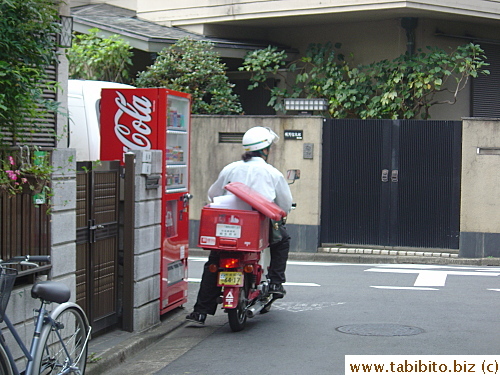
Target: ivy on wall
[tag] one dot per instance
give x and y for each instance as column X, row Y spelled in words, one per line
column 403, row 88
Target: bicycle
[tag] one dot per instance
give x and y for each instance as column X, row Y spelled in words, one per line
column 60, row 339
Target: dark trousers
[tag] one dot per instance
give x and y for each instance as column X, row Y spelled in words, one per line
column 208, row 293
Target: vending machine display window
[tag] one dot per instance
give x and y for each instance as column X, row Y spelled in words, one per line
column 177, row 155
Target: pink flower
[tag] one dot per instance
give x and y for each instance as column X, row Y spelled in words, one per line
column 13, row 174
column 11, row 160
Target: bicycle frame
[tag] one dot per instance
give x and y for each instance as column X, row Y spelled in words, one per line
column 42, row 319
column 29, row 354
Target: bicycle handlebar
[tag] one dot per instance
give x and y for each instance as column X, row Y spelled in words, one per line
column 28, row 258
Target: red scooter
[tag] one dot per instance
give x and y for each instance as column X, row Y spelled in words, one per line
column 242, row 237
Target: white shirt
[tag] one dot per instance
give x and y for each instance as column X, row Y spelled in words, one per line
column 258, row 175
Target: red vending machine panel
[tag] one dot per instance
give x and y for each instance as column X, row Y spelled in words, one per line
column 157, row 119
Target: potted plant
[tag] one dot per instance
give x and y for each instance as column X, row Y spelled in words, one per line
column 25, row 171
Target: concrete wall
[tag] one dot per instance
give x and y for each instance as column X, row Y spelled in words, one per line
column 208, row 157
column 480, row 202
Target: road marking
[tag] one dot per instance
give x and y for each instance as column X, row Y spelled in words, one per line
column 431, row 266
column 319, row 264
column 288, row 283
column 301, row 307
column 401, row 287
column 290, row 262
column 432, row 277
column 495, row 290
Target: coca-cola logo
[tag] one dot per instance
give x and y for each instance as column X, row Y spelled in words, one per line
column 133, row 136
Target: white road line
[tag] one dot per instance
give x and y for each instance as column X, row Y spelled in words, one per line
column 319, row 264
column 288, row 283
column 431, row 277
column 290, row 262
column 495, row 290
column 401, row 287
column 300, row 284
column 436, row 267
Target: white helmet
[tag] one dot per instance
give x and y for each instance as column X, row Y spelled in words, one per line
column 258, row 138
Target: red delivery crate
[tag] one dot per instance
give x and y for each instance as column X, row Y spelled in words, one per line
column 227, row 229
column 256, row 200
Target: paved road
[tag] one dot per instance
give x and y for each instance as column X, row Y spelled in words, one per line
column 333, row 310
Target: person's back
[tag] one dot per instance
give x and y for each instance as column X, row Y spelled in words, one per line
column 260, row 176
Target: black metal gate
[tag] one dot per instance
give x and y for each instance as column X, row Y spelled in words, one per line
column 391, row 183
column 97, row 242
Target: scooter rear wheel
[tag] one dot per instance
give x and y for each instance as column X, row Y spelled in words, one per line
column 237, row 317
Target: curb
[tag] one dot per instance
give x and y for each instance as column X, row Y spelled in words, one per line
column 393, row 259
column 138, row 341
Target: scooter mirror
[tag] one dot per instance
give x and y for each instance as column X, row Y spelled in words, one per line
column 292, row 175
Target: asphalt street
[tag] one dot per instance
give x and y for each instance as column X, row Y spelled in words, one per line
column 333, row 310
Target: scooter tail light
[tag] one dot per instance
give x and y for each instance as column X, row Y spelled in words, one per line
column 229, row 262
column 248, row 268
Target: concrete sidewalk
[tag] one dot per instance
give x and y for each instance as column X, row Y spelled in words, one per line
column 112, row 348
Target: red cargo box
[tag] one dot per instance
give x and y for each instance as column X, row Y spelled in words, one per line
column 256, row 200
column 226, row 229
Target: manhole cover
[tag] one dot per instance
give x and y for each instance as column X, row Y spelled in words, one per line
column 380, row 330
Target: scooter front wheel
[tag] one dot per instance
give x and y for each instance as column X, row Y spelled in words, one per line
column 237, row 317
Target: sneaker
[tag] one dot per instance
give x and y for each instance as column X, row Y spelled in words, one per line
column 277, row 290
column 196, row 317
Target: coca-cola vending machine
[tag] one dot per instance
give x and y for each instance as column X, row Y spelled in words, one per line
column 157, row 119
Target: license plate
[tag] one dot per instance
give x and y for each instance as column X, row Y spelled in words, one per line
column 230, row 279
column 226, row 230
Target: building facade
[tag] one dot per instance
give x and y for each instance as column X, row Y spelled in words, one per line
column 369, row 31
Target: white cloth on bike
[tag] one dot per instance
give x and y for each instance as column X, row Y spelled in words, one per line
column 260, row 176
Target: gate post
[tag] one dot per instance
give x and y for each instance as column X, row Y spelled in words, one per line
column 63, row 217
column 141, row 244
column 480, row 193
column 128, row 243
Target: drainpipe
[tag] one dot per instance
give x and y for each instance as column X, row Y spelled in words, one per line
column 410, row 24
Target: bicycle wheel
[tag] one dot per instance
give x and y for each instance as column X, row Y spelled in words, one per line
column 67, row 355
column 5, row 368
